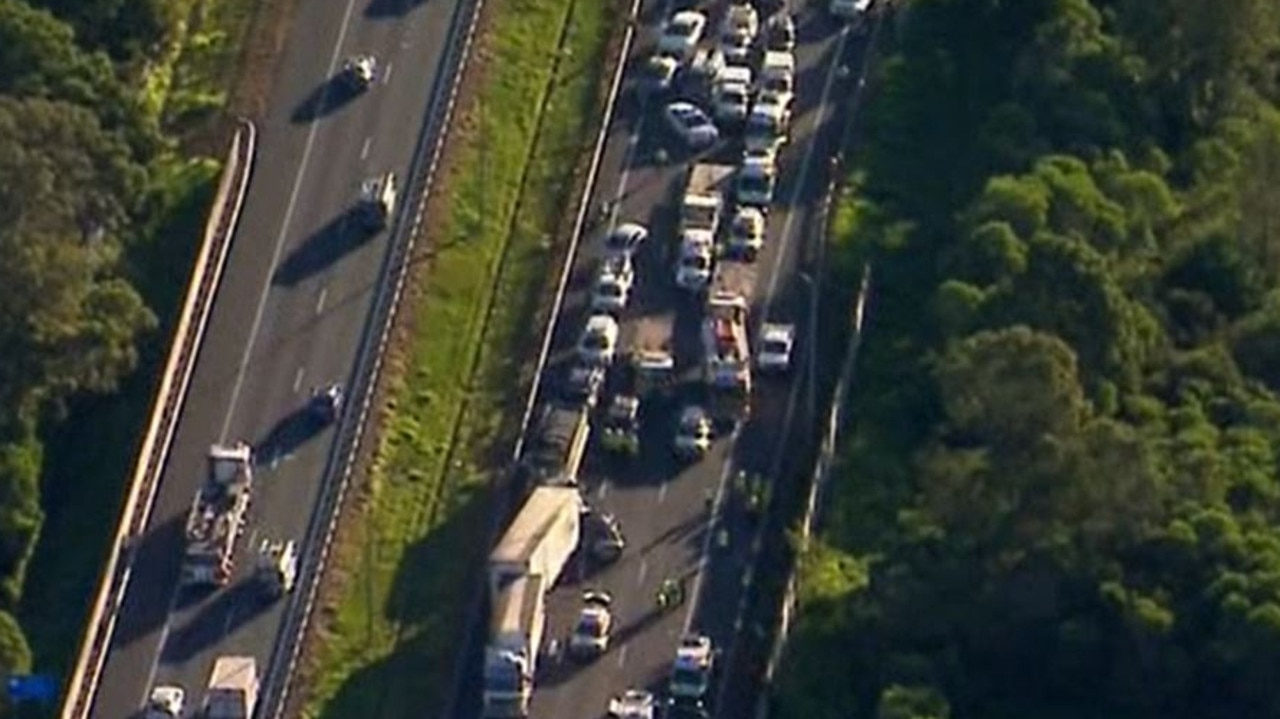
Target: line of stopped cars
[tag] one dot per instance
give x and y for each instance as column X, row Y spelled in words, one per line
column 220, row 510
column 625, row 367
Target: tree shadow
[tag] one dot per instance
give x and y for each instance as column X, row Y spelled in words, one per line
column 383, row 9
column 229, row 609
column 430, row 601
column 325, row 99
column 323, row 248
column 156, row 565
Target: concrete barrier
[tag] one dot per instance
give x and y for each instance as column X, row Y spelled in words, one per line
column 170, row 397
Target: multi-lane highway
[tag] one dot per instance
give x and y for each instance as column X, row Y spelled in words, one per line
column 292, row 312
column 661, row 503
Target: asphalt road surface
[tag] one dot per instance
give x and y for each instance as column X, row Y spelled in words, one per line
column 290, row 314
column 662, row 504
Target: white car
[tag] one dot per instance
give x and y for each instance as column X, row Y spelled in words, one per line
column 634, row 704
column 692, row 125
column 682, row 33
column 657, row 75
column 599, row 341
column 756, row 181
column 746, row 232
column 778, row 71
column 738, row 32
column 697, row 255
column 731, row 95
column 732, row 102
column 776, row 343
column 625, row 239
column 613, row 285
column 590, row 636
column 166, row 702
column 736, row 49
column 360, row 71
column 693, row 433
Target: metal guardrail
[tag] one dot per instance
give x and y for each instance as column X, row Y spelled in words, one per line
column 170, row 397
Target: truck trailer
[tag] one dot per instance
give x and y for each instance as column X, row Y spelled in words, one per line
column 523, row 567
column 217, row 516
column 233, row 688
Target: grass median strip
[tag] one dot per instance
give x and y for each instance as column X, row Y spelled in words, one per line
column 393, row 608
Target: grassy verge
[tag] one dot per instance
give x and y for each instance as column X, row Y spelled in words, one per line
column 396, row 601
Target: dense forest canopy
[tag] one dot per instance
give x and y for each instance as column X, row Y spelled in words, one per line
column 1060, row 491
column 78, row 197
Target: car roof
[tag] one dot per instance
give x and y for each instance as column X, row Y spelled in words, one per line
column 773, row 330
column 688, row 16
column 601, row 321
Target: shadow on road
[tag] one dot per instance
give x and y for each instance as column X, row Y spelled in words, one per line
column 294, row 430
column 224, row 613
column 327, row 98
column 326, row 246
column 156, row 561
column 386, row 9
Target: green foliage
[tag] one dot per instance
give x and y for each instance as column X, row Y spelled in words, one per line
column 15, row 655
column 84, row 193
column 1060, row 497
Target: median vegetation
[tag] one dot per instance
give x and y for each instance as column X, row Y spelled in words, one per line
column 105, row 109
column 1059, row 496
column 390, row 622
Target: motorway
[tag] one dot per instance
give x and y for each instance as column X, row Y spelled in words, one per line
column 662, row 505
column 292, row 312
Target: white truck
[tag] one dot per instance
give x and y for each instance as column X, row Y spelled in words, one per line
column 217, row 516
column 727, row 359
column 704, row 194
column 522, row 569
column 233, row 688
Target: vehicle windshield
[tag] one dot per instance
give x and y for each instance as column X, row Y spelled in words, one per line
column 683, row 28
column 734, row 96
column 595, row 341
column 590, row 626
column 696, row 262
column 609, row 288
column 776, row 347
column 689, row 680
column 754, row 183
column 502, row 678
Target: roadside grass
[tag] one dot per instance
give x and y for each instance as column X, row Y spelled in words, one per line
column 392, row 613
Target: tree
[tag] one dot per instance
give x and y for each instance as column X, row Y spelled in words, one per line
column 68, row 320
